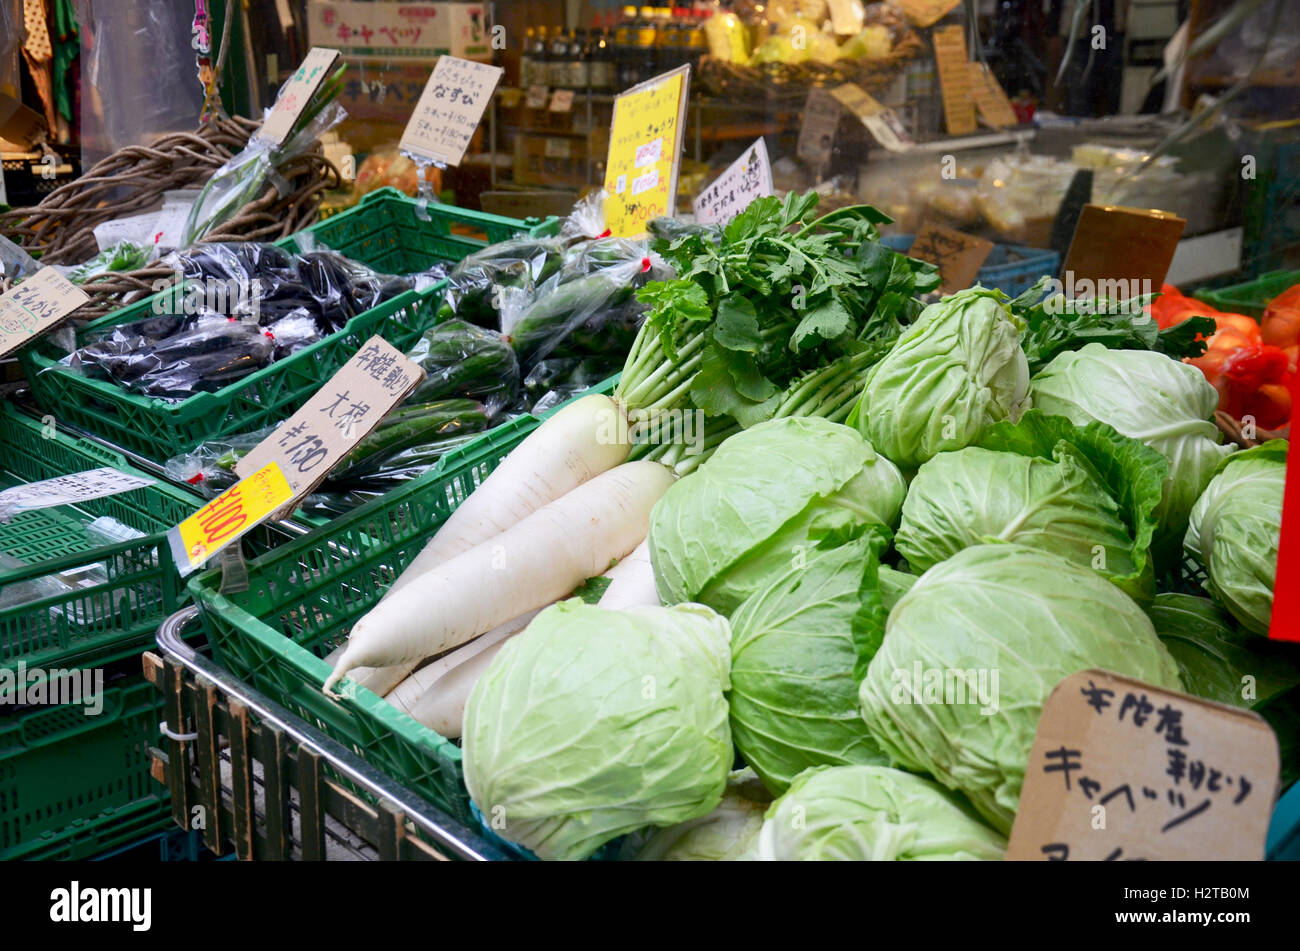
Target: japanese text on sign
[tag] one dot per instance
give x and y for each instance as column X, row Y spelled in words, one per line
column 747, row 178
column 1122, row 771
column 958, row 256
column 35, row 306
column 63, row 490
column 883, row 124
column 645, row 152
column 341, row 413
column 297, row 93
column 450, row 109
column 228, row 517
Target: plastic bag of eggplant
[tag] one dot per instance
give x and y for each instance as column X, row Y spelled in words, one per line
column 239, row 308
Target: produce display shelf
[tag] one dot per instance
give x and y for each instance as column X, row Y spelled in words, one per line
column 1011, row 268
column 73, row 785
column 1251, row 297
column 387, row 231
column 304, row 597
column 48, row 617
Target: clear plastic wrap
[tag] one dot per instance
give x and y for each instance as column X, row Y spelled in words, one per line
column 587, row 219
column 462, row 359
column 15, row 262
column 210, row 466
column 120, row 256
column 245, row 175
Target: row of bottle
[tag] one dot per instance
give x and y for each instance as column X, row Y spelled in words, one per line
column 644, row 43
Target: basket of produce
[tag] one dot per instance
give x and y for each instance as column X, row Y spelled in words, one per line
column 523, row 325
column 799, row 55
column 164, row 374
column 770, row 576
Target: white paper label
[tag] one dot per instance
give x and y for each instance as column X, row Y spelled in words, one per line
column 65, row 490
column 645, row 182
column 649, row 153
column 747, row 178
column 536, row 97
column 562, row 100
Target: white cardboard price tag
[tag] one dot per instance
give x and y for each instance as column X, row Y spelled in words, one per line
column 745, row 179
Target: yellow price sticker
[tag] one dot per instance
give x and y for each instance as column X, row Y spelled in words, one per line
column 645, row 153
column 229, row 516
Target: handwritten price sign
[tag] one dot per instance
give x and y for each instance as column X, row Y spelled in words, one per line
column 645, row 153
column 297, row 93
column 35, row 306
column 228, row 517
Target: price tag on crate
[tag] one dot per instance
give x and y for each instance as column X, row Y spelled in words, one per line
column 645, row 152
column 228, row 517
column 297, row 93
column 958, row 256
column 817, row 130
column 562, row 100
column 35, row 306
column 450, row 109
column 1121, row 770
column 883, row 124
column 65, row 490
column 536, row 97
column 343, row 412
column 745, row 179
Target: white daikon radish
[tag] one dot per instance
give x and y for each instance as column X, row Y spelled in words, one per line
column 442, row 707
column 536, row 561
column 409, row 690
column 582, row 440
column 381, row 680
column 632, row 581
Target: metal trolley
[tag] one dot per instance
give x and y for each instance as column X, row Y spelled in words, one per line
column 252, row 777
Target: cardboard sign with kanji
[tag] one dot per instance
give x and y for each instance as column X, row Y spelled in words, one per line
column 343, row 412
column 536, row 98
column 35, row 306
column 925, row 13
column 990, row 98
column 745, row 179
column 1121, row 770
column 562, row 100
column 645, row 150
column 817, row 130
column 450, row 109
column 954, row 79
column 297, row 93
column 957, row 255
column 883, row 124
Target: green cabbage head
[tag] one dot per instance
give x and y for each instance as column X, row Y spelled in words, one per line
column 794, row 696
column 765, row 497
column 872, row 813
column 1167, row 404
column 971, row 653
column 593, row 723
column 727, row 834
column 954, row 372
column 1235, row 529
column 1085, row 493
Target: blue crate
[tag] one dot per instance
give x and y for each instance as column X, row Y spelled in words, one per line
column 1011, row 268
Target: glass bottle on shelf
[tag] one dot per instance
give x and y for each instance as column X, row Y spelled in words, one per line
column 526, row 58
column 647, row 42
column 558, row 67
column 541, row 71
column 601, row 65
column 625, row 49
column 580, row 60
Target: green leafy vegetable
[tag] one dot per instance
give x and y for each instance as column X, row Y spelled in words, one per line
column 971, row 653
column 1235, row 529
column 593, row 723
column 727, row 834
column 794, row 698
column 766, row 498
column 872, row 813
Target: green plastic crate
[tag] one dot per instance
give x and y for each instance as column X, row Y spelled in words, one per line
column 103, row 621
column 304, row 597
column 387, row 231
column 1251, row 297
column 74, row 786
